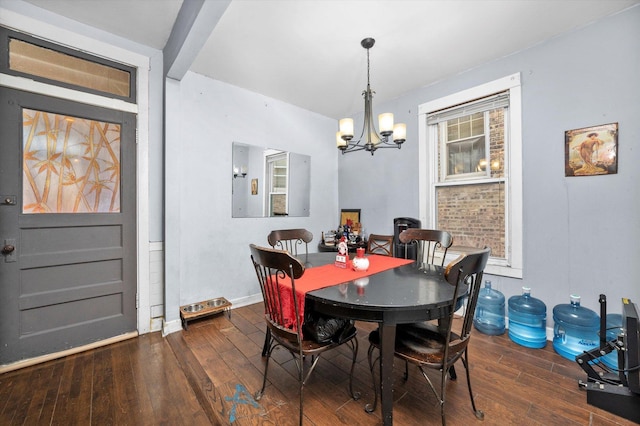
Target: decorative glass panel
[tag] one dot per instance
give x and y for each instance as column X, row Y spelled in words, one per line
column 70, row 164
column 47, row 63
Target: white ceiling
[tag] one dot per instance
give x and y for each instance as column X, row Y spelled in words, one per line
column 308, row 53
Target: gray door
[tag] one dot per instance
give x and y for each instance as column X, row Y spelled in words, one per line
column 67, row 224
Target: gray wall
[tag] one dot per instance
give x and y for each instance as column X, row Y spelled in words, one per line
column 207, row 253
column 580, row 234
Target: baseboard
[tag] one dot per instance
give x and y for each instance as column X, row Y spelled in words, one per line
column 156, row 324
column 49, row 357
column 245, row 301
column 169, row 327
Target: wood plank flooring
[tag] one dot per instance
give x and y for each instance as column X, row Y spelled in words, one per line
column 208, row 375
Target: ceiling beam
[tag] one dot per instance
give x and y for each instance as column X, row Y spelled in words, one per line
column 194, row 24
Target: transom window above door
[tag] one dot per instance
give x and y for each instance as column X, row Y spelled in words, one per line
column 27, row 56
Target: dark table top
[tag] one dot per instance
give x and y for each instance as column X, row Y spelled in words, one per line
column 409, row 293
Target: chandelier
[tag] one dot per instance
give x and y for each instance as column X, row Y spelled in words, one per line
column 369, row 139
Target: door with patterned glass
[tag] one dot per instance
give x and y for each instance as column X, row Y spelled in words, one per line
column 67, row 225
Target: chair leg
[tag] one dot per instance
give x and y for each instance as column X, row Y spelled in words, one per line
column 443, row 386
column 259, row 393
column 354, row 349
column 370, row 408
column 443, row 394
column 267, row 341
column 301, row 378
column 452, row 372
column 465, row 361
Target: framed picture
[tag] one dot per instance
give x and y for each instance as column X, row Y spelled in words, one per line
column 254, row 186
column 349, row 214
column 591, row 151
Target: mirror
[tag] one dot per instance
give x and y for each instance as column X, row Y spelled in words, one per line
column 269, row 182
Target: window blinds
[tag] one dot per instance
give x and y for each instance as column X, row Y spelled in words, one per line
column 498, row 100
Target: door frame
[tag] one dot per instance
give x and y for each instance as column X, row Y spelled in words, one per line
column 76, row 40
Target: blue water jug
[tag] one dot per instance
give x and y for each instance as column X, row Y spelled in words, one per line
column 489, row 316
column 528, row 320
column 575, row 329
column 614, row 328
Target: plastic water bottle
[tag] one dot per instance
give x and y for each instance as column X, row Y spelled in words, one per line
column 489, row 316
column 575, row 329
column 527, row 320
column 614, row 328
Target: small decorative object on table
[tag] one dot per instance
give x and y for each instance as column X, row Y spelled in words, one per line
column 342, row 257
column 360, row 263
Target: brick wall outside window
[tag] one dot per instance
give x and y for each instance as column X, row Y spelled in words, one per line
column 475, row 214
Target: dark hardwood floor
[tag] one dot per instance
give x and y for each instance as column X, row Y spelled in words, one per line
column 208, row 374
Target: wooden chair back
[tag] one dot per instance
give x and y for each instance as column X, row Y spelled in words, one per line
column 380, row 244
column 465, row 273
column 428, row 243
column 272, row 268
column 290, row 240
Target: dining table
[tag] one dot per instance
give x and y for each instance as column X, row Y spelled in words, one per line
column 407, row 293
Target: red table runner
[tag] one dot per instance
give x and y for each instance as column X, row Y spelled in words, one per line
column 327, row 275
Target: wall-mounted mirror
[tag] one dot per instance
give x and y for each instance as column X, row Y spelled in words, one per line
column 269, row 182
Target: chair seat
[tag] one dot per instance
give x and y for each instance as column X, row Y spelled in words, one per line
column 419, row 343
column 311, row 347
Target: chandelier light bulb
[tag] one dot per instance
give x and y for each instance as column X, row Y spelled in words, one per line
column 385, row 122
column 399, row 133
column 346, row 128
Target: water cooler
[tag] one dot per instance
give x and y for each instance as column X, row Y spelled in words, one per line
column 527, row 320
column 489, row 315
column 575, row 329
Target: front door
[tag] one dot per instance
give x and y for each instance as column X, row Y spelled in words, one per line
column 67, row 224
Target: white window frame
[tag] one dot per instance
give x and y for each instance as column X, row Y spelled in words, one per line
column 428, row 169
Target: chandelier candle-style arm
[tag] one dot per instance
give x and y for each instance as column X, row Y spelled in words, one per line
column 369, row 139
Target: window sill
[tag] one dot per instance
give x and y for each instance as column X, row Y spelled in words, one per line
column 494, row 266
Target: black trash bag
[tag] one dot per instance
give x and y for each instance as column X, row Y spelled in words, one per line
column 323, row 329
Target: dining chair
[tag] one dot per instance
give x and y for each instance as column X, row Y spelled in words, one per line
column 433, row 346
column 428, row 242
column 424, row 243
column 380, row 244
column 290, row 240
column 273, row 269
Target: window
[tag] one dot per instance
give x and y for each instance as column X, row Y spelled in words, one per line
column 471, row 171
column 26, row 56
